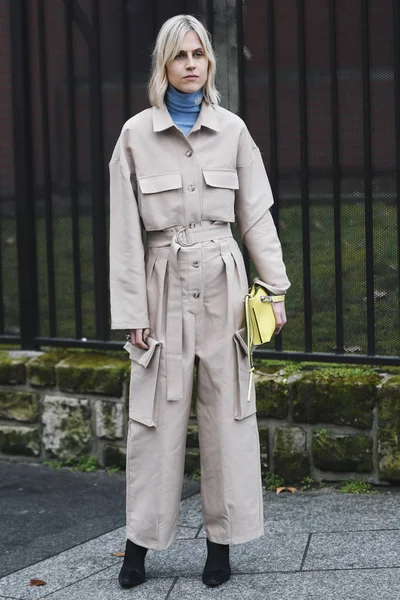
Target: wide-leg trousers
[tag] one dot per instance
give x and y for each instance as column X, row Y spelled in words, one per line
column 214, row 283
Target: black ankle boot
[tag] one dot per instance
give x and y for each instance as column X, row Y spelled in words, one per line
column 217, row 569
column 132, row 571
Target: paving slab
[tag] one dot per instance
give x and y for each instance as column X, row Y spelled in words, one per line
column 44, row 511
column 333, row 511
column 104, row 586
column 80, row 562
column 354, row 550
column 269, row 553
column 336, row 585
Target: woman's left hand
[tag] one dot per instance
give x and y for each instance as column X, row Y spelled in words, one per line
column 280, row 315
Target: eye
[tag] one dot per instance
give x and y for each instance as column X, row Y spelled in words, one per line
column 180, row 55
column 199, row 54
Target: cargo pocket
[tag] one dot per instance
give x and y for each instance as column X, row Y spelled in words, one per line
column 243, row 408
column 219, row 194
column 143, row 384
column 160, row 200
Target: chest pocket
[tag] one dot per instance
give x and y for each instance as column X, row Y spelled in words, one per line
column 160, row 200
column 219, row 194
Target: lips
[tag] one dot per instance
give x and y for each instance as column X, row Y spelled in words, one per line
column 191, row 77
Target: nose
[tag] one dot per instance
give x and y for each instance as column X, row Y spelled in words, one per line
column 190, row 62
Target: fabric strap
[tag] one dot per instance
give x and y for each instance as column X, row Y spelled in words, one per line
column 176, row 238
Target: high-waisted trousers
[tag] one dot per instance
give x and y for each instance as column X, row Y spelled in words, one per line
column 213, row 285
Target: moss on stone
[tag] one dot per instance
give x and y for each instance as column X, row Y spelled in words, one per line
column 290, row 453
column 192, row 461
column 41, row 369
column 389, row 429
column 12, row 370
column 114, row 457
column 192, row 440
column 269, row 367
column 272, row 397
column 94, row 373
column 19, row 406
column 339, row 396
column 341, row 453
column 20, row 440
column 263, row 433
column 67, row 432
column 109, row 420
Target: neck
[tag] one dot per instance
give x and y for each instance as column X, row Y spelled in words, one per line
column 183, row 108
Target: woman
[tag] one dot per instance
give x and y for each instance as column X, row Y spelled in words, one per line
column 184, row 170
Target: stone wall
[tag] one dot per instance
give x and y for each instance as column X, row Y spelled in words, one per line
column 327, row 422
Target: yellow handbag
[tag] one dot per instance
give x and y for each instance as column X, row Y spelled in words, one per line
column 260, row 322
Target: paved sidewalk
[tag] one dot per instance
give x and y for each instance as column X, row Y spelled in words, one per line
column 317, row 545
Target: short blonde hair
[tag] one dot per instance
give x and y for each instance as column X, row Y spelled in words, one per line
column 167, row 46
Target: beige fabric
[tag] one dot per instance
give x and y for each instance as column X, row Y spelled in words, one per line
column 191, row 297
column 213, row 286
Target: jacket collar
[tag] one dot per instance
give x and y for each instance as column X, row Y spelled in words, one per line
column 207, row 118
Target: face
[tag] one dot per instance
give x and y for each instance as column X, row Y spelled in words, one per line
column 188, row 70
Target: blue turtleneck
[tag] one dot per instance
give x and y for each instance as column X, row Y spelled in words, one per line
column 183, row 108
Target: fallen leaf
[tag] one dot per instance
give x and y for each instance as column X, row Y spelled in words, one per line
column 37, row 582
column 119, row 554
column 285, row 488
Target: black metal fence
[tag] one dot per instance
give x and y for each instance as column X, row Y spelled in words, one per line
column 318, row 84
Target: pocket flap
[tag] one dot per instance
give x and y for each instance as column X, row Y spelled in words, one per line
column 241, row 337
column 160, row 183
column 221, row 178
column 142, row 357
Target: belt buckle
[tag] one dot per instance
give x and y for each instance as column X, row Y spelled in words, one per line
column 180, row 232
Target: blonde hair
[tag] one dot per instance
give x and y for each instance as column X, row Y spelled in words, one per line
column 167, row 46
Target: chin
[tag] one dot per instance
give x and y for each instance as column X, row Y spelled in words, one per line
column 191, row 86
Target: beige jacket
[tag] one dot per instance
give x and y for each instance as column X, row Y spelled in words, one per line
column 160, row 178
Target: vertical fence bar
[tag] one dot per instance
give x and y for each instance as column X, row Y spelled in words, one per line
column 396, row 60
column 125, row 61
column 25, row 212
column 304, row 180
column 241, row 86
column 154, row 17
column 98, row 184
column 210, row 16
column 336, row 176
column 369, row 238
column 273, row 133
column 48, row 204
column 73, row 176
column 1, row 278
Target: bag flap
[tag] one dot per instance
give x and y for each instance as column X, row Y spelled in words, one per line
column 221, row 178
column 142, row 357
column 160, row 183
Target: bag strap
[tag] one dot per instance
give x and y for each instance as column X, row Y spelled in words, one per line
column 250, row 334
column 250, row 339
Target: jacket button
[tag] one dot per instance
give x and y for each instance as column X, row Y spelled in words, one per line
column 191, row 188
column 189, row 153
column 196, row 295
column 196, row 263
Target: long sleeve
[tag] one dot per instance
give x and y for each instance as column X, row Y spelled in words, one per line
column 128, row 294
column 252, row 207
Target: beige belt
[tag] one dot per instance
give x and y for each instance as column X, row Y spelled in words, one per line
column 176, row 238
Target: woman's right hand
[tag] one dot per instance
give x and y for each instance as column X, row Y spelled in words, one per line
column 139, row 338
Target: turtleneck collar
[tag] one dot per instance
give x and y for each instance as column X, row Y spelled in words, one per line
column 183, row 108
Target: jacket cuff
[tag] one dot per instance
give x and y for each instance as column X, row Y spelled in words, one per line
column 130, row 326
column 274, row 290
